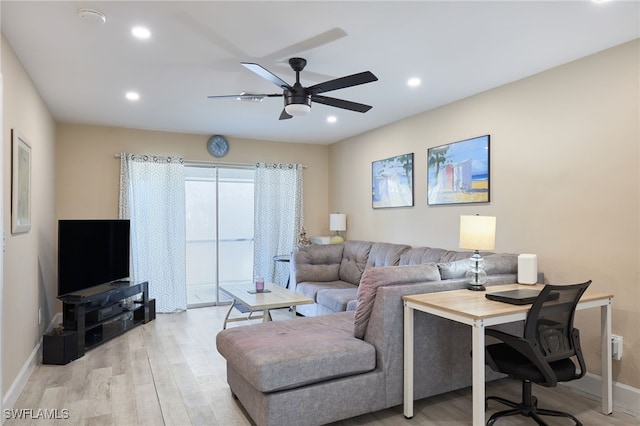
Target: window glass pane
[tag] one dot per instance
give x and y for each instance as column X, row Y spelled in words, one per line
column 233, row 192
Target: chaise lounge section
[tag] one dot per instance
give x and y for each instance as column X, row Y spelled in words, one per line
column 325, row 368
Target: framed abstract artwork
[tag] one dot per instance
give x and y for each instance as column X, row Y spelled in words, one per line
column 392, row 182
column 20, row 184
column 458, row 172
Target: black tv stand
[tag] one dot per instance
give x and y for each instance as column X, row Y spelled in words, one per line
column 96, row 315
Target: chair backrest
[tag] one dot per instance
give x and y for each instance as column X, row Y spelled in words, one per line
column 550, row 321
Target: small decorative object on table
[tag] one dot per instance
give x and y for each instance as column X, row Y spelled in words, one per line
column 527, row 269
column 259, row 284
column 303, row 240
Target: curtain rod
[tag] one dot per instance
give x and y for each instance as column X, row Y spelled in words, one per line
column 216, row 163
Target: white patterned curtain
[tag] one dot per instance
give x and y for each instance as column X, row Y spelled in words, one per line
column 278, row 216
column 152, row 196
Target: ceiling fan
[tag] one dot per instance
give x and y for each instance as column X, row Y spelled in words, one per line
column 297, row 99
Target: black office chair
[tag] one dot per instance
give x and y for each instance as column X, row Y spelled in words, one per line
column 544, row 355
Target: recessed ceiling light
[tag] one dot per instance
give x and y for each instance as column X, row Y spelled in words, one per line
column 141, row 32
column 413, row 82
column 332, row 119
column 132, row 96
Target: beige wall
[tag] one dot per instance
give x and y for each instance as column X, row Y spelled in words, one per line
column 29, row 260
column 565, row 182
column 88, row 172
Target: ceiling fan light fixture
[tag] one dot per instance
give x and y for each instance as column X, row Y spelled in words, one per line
column 297, row 109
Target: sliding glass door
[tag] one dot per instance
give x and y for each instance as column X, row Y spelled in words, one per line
column 219, row 220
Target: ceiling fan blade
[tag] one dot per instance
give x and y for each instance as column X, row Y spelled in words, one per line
column 248, row 96
column 284, row 115
column 266, row 74
column 341, row 103
column 308, row 44
column 342, row 82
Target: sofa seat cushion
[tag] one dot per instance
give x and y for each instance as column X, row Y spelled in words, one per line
column 336, row 300
column 300, row 351
column 311, row 288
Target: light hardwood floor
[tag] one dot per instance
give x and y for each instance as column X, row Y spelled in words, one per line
column 168, row 372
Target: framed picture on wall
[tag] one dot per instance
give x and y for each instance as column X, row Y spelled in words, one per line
column 392, row 182
column 20, row 184
column 459, row 172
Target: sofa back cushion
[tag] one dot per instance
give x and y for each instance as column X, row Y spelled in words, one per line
column 354, row 260
column 385, row 254
column 385, row 276
column 494, row 264
column 418, row 255
column 317, row 262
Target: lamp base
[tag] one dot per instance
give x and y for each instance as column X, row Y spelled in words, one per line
column 475, row 287
column 337, row 239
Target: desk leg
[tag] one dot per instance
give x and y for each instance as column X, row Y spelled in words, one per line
column 478, row 385
column 605, row 335
column 408, row 362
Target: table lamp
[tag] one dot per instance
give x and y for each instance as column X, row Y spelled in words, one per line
column 337, row 222
column 477, row 233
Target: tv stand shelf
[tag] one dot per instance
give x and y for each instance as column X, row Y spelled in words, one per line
column 95, row 315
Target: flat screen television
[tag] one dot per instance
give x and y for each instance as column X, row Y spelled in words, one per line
column 91, row 253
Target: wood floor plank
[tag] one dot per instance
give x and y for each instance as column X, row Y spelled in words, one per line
column 123, row 407
column 148, row 408
column 171, row 401
column 168, row 372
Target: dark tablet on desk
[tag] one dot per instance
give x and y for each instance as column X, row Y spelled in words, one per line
column 518, row 297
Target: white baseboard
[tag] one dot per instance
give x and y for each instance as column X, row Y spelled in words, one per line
column 626, row 399
column 11, row 397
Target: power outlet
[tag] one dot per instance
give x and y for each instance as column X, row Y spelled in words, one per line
column 616, row 347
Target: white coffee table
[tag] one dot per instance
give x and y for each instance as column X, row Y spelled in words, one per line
column 277, row 297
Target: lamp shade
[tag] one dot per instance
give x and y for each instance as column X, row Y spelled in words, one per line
column 337, row 222
column 478, row 232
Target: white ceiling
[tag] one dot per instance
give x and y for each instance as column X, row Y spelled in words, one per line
column 82, row 69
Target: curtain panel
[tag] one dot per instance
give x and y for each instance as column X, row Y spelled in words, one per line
column 278, row 216
column 152, row 196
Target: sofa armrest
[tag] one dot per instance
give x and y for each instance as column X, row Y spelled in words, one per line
column 317, row 262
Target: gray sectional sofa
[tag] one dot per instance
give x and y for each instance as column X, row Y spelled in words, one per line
column 330, row 274
column 324, row 368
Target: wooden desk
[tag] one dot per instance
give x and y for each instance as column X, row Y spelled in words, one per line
column 472, row 308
